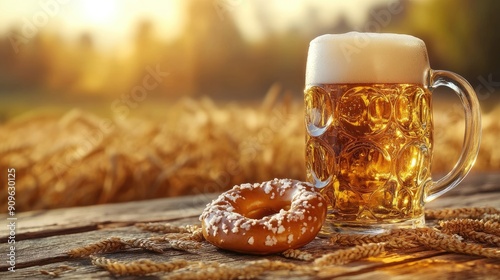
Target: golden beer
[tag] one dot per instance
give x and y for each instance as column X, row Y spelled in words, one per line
column 368, row 149
column 369, row 141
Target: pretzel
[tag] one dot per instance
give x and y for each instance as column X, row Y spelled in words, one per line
column 264, row 218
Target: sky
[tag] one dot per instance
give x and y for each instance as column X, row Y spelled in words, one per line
column 112, row 21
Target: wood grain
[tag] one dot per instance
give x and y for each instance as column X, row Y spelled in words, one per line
column 43, row 237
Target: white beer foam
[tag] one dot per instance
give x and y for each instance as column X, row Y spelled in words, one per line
column 366, row 58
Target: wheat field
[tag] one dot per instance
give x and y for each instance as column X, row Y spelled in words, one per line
column 194, row 146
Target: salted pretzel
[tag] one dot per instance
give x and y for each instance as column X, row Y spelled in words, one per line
column 264, row 218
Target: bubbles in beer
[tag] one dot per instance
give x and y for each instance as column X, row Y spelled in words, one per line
column 363, row 110
column 364, row 167
column 412, row 164
column 372, row 159
column 412, row 121
column 343, row 201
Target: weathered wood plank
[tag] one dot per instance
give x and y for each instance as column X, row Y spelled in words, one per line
column 476, row 190
column 52, row 249
column 44, row 237
column 49, row 253
column 61, row 221
column 447, row 266
column 475, row 183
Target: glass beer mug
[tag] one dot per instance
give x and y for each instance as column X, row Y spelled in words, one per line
column 369, row 141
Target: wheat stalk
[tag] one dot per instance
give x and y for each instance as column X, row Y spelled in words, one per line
column 184, row 245
column 461, row 225
column 108, row 245
column 344, row 256
column 145, row 244
column 215, row 270
column 481, row 237
column 298, row 255
column 451, row 243
column 393, row 239
column 167, row 228
column 491, row 217
column 448, row 238
column 466, row 212
column 139, row 267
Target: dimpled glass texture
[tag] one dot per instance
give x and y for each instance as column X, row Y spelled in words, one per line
column 368, row 149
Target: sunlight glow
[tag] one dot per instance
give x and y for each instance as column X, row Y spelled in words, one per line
column 113, row 22
column 99, row 12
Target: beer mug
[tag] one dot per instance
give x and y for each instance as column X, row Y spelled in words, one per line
column 369, row 141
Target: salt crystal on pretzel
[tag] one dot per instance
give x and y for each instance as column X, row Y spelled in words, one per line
column 264, row 218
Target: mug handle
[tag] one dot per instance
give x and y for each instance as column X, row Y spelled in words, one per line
column 472, row 135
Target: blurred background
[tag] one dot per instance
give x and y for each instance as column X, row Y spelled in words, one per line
column 107, row 101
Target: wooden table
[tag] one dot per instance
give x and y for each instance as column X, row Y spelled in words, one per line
column 43, row 237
